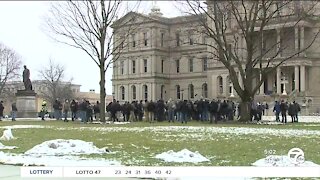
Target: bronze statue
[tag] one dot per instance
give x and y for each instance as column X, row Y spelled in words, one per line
column 26, row 78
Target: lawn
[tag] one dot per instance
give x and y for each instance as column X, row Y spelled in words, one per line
column 137, row 143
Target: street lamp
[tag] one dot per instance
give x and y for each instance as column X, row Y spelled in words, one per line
column 284, row 82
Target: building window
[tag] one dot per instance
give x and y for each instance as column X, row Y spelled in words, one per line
column 162, row 92
column 122, row 92
column 178, row 91
column 162, row 39
column 204, row 39
column 145, row 90
column 133, row 66
column 220, row 84
column 190, row 40
column 178, row 65
column 145, row 39
column 134, row 92
column 191, row 91
column 122, row 42
column 122, row 67
column 190, row 65
column 205, row 90
column 178, row 39
column 162, row 65
column 133, row 40
column 205, row 63
column 145, row 65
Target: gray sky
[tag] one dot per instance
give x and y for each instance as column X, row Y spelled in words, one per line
column 21, row 30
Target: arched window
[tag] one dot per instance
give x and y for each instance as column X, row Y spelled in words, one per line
column 122, row 92
column 134, row 92
column 220, row 84
column 205, row 90
column 191, row 91
column 162, row 92
column 178, row 91
column 145, row 91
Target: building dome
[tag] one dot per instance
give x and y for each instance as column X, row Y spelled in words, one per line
column 155, row 10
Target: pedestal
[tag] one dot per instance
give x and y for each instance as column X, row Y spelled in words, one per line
column 26, row 104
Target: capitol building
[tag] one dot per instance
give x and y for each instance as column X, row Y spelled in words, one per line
column 166, row 58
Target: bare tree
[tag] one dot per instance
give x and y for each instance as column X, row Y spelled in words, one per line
column 9, row 67
column 55, row 87
column 86, row 25
column 237, row 32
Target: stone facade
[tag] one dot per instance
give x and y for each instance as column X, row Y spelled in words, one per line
column 165, row 58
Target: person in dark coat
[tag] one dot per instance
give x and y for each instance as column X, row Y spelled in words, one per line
column 297, row 110
column 151, row 109
column 14, row 111
column 291, row 112
column 96, row 111
column 1, row 110
column 213, row 108
column 184, row 111
column 283, row 108
column 74, row 109
column 160, row 110
column 277, row 110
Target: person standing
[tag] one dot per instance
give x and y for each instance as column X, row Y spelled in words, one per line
column 96, row 111
column 66, row 109
column 74, row 109
column 43, row 110
column 14, row 110
column 297, row 110
column 1, row 110
column 277, row 110
column 283, row 108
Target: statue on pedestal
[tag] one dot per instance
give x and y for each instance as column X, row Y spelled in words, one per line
column 26, row 79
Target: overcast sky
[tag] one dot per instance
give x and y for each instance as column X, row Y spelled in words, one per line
column 21, row 30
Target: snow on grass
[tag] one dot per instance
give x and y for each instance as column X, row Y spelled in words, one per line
column 2, row 147
column 59, row 152
column 280, row 161
column 7, row 135
column 209, row 130
column 61, row 147
column 39, row 160
column 23, row 126
column 182, row 156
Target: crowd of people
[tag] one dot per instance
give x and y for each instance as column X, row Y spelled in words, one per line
column 181, row 111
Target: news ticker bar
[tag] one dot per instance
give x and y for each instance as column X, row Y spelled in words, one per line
column 149, row 172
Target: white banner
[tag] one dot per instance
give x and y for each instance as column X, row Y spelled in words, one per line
column 152, row 172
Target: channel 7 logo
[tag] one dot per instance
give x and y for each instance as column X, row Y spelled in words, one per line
column 296, row 156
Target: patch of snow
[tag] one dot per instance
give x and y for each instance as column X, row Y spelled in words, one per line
column 23, row 126
column 182, row 156
column 134, row 145
column 7, row 135
column 194, row 130
column 61, row 147
column 2, row 147
column 146, row 148
column 280, row 161
column 40, row 160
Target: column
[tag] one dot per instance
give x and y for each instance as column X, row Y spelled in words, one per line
column 296, row 78
column 278, row 80
column 261, row 92
column 225, row 85
column 302, row 41
column 296, row 39
column 303, row 78
column 278, row 42
column 153, row 91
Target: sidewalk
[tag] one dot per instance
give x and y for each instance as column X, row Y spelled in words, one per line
column 8, row 172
